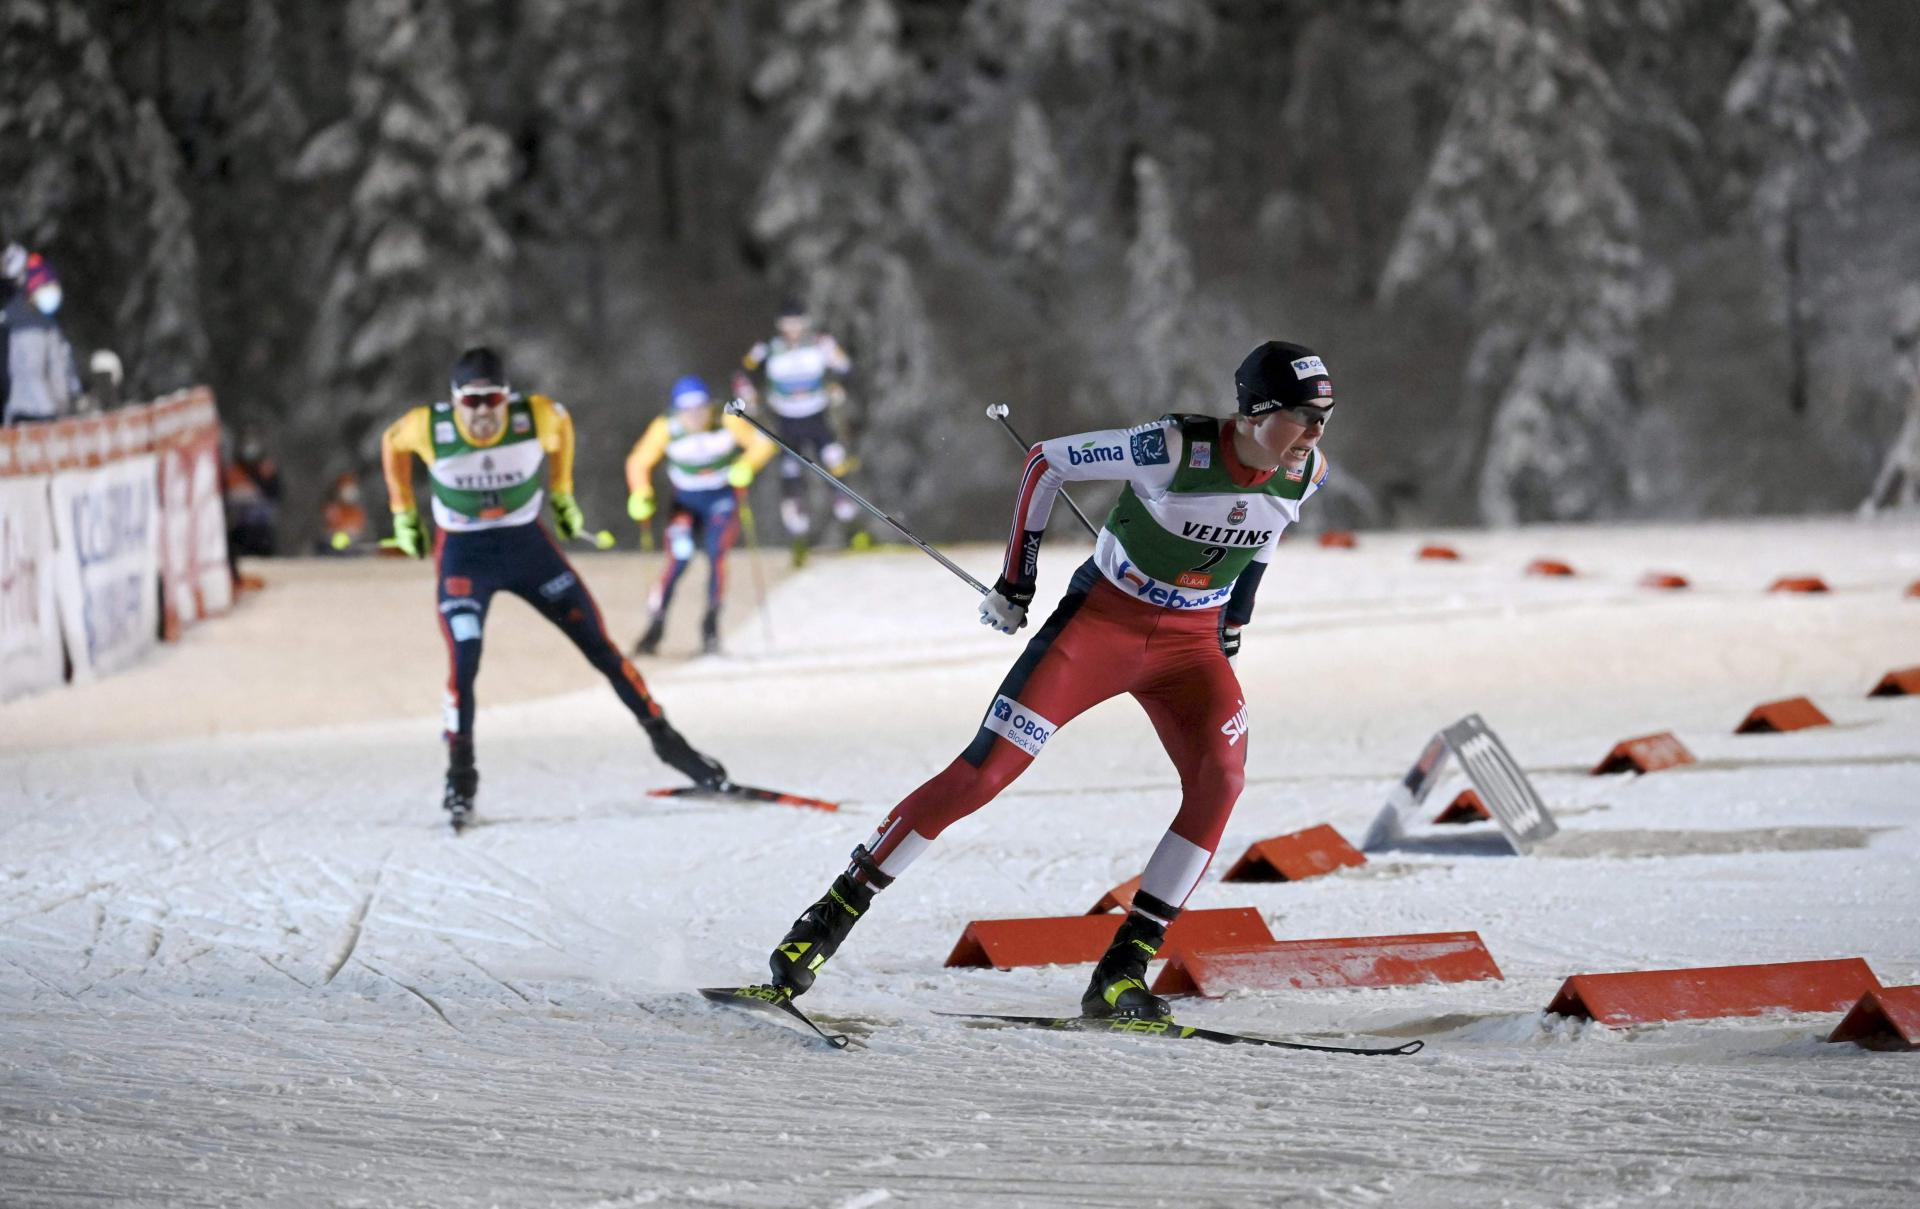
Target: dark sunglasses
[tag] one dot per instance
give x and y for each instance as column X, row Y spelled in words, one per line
column 480, row 396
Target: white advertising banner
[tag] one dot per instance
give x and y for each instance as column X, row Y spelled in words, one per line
column 106, row 524
column 29, row 620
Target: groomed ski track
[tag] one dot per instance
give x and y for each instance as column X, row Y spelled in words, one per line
column 241, row 961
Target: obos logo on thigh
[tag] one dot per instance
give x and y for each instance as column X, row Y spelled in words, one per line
column 1019, row 725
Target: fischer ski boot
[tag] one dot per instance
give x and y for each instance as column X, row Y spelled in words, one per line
column 678, row 754
column 1118, row 988
column 649, row 642
column 817, row 934
column 710, row 632
column 463, row 782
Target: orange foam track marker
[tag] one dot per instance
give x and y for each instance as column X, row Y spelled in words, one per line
column 1799, row 583
column 1338, row 539
column 1007, row 944
column 1466, row 807
column 1648, row 753
column 1353, row 961
column 1713, row 991
column 1888, row 1018
column 1439, row 554
column 1900, row 682
column 1793, row 713
column 1913, row 589
column 1665, row 580
column 1296, row 855
column 1118, row 898
column 1549, row 566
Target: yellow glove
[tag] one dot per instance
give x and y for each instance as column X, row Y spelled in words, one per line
column 740, row 474
column 408, row 537
column 568, row 521
column 640, row 506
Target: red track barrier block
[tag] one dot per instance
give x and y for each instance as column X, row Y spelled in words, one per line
column 1120, row 898
column 1006, row 944
column 1439, row 553
column 1549, row 566
column 1296, row 855
column 1648, row 753
column 1702, row 994
column 1466, row 807
column 1913, row 589
column 1888, row 1018
column 1794, row 713
column 1799, row 583
column 1900, row 682
column 1665, row 580
column 1356, row 961
column 1338, row 539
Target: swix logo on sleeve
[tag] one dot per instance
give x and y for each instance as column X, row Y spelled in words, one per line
column 1030, row 553
column 1235, row 728
column 1019, row 725
column 1092, row 452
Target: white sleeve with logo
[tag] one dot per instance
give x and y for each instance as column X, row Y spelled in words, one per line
column 1145, row 456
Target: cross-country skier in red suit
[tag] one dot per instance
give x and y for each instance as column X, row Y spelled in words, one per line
column 1156, row 612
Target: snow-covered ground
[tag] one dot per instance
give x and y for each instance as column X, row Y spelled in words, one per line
column 242, row 960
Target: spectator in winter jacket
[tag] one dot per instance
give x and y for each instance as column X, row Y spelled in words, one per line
column 13, row 274
column 43, row 378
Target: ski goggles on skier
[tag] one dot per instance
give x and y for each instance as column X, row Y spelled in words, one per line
column 481, row 396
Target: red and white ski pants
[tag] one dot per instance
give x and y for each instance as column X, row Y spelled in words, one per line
column 1100, row 643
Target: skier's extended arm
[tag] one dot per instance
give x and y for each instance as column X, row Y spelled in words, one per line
column 1145, row 456
column 755, row 451
column 404, row 439
column 554, row 427
column 645, row 455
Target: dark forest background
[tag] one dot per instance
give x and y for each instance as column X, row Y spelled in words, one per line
column 1566, row 260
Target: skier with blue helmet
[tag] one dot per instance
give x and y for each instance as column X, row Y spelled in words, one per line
column 711, row 459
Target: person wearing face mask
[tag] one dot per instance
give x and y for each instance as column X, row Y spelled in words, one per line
column 42, row 379
column 493, row 457
column 1155, row 613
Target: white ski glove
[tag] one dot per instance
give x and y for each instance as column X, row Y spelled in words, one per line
column 1005, row 608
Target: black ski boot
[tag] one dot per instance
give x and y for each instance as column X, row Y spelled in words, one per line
column 678, row 754
column 1119, row 984
column 710, row 633
column 650, row 641
column 817, row 934
column 463, row 782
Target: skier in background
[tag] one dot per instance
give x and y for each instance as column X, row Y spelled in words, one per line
column 492, row 456
column 710, row 467
column 1156, row 612
column 803, row 369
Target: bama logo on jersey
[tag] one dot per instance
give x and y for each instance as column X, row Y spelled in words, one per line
column 1018, row 725
column 1090, row 453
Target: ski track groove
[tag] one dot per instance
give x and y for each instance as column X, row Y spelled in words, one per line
column 350, row 936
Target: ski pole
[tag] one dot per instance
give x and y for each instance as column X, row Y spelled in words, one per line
column 999, row 412
column 753, row 561
column 737, row 408
column 600, row 540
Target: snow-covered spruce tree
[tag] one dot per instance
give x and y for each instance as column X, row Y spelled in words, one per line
column 581, row 183
column 412, row 258
column 1161, row 301
column 1795, row 126
column 1897, row 486
column 1033, row 220
column 1526, row 212
column 93, row 181
column 845, row 194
